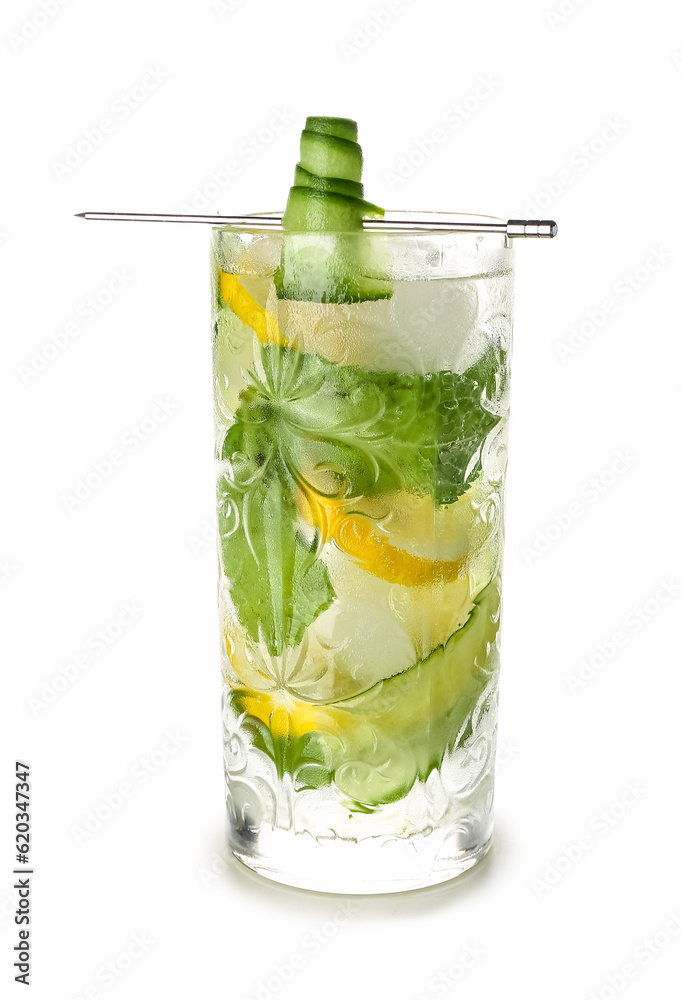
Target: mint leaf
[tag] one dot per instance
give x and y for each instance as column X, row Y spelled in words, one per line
column 464, row 423
column 307, row 758
column 376, row 432
column 277, row 584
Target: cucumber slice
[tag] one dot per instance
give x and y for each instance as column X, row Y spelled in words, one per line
column 326, row 271
column 326, row 200
column 323, row 211
column 330, row 156
column 412, row 719
column 342, row 128
column 337, row 185
column 316, row 283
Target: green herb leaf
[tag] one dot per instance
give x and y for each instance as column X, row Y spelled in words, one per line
column 375, row 432
column 277, row 584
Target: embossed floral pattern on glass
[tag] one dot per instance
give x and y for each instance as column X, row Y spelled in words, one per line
column 360, row 452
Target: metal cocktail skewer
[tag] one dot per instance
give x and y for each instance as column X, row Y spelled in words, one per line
column 541, row 228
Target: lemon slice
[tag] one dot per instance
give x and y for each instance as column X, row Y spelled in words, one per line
column 354, row 533
column 249, row 310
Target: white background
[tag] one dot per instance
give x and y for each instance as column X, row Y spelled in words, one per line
column 544, row 133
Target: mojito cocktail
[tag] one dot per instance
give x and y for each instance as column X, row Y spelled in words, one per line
column 361, row 395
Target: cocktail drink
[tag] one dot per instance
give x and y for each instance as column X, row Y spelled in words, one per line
column 361, row 397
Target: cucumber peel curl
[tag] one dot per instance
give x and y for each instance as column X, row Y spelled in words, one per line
column 325, row 255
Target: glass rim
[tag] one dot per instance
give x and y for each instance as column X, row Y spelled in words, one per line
column 407, row 223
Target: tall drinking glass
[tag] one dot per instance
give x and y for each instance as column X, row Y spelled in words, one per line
column 360, row 457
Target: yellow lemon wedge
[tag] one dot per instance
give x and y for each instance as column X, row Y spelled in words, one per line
column 355, row 535
column 286, row 716
column 249, row 311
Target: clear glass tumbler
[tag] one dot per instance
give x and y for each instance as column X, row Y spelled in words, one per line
column 360, row 455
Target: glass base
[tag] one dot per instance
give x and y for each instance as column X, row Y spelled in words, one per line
column 374, row 865
column 321, row 839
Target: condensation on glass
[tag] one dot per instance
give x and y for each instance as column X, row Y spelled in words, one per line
column 360, row 457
